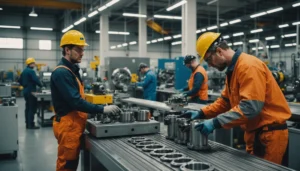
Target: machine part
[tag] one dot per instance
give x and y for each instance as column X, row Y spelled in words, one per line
column 180, row 161
column 161, row 152
column 197, row 140
column 101, row 130
column 98, row 88
column 179, row 133
column 99, row 99
column 177, row 102
column 147, row 103
column 134, row 139
column 5, row 90
column 170, row 157
column 151, row 147
column 127, row 117
column 121, row 78
column 166, row 78
column 170, row 120
column 197, row 166
column 143, row 115
column 142, row 144
column 183, row 131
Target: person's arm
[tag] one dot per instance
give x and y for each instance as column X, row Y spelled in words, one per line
column 67, row 87
column 146, row 81
column 35, row 79
column 198, row 80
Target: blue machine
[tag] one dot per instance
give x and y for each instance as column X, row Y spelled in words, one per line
column 181, row 74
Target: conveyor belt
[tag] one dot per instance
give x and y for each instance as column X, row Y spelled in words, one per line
column 127, row 157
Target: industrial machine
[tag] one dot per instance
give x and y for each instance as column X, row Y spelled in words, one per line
column 99, row 95
column 45, row 78
column 216, row 80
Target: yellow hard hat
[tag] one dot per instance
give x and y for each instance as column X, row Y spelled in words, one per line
column 204, row 42
column 29, row 61
column 73, row 37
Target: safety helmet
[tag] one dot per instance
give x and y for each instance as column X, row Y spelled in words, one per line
column 73, row 37
column 142, row 65
column 188, row 59
column 204, row 42
column 29, row 61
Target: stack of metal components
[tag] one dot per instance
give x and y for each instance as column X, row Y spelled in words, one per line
column 177, row 102
column 168, row 155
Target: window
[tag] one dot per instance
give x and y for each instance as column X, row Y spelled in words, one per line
column 45, row 44
column 11, row 43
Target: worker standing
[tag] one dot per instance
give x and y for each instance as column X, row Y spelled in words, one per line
column 251, row 99
column 197, row 85
column 29, row 81
column 68, row 100
column 149, row 83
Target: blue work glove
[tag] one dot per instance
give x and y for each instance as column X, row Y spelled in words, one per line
column 206, row 127
column 193, row 114
column 183, row 94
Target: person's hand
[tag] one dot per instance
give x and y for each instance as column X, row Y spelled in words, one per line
column 111, row 109
column 206, row 127
column 183, row 94
column 193, row 114
column 181, row 90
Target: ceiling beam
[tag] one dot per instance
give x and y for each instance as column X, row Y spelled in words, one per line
column 43, row 3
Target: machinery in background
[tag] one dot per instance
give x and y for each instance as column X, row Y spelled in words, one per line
column 39, row 66
column 99, row 95
column 216, row 80
column 177, row 102
column 166, row 78
column 45, row 78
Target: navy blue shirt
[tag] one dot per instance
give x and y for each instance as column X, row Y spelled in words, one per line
column 149, row 84
column 29, row 80
column 65, row 91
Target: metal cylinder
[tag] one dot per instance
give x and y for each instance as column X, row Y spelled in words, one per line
column 179, row 134
column 161, row 152
column 197, row 140
column 180, row 161
column 143, row 115
column 170, row 120
column 126, row 117
column 196, row 166
column 170, row 157
column 151, row 147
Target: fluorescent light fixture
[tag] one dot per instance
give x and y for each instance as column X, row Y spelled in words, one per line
column 253, row 41
column 92, row 13
column 238, row 34
column 237, row 43
column 226, row 37
column 119, row 46
column 68, row 28
column 115, row 32
column 256, row 31
column 134, row 15
column 153, row 41
column 296, row 5
column 270, row 38
column 203, row 29
column 283, row 25
column 212, row 27
column 289, row 35
column 253, row 48
column 198, row 31
column 235, row 21
column 176, row 43
column 290, row 44
column 259, row 48
column 97, row 31
column 274, row 46
column 80, row 21
column 176, row 5
column 13, row 27
column 258, row 14
column 274, row 10
column 102, row 8
column 168, row 17
column 177, row 36
column 125, row 44
column 41, row 28
column 32, row 13
column 160, row 39
column 108, row 5
column 224, row 24
column 211, row 2
column 296, row 23
column 1, row 9
column 132, row 43
column 113, row 47
column 229, row 44
column 167, row 38
column 148, row 42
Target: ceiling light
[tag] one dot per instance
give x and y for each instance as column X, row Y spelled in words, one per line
column 115, row 32
column 256, row 31
column 1, row 9
column 134, row 15
column 212, row 27
column 226, row 37
column 125, row 44
column 68, row 28
column 132, row 43
column 176, row 43
column 92, row 13
column 176, row 5
column 270, row 38
column 13, row 27
column 119, row 46
column 229, row 44
column 235, row 21
column 148, row 42
column 258, row 14
column 289, row 35
column 290, row 44
column 160, row 39
column 41, row 28
column 259, row 48
column 238, row 34
column 275, row 10
column 274, row 46
column 108, row 5
column 224, row 24
column 211, row 2
column 168, row 17
column 102, row 8
column 113, row 47
column 177, row 36
column 33, row 14
column 198, row 31
column 296, row 23
column 80, row 21
column 237, row 43
column 153, row 41
column 253, row 41
column 283, row 25
column 167, row 38
column 296, row 5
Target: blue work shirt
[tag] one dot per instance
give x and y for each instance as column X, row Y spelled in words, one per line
column 65, row 91
column 149, row 85
column 29, row 80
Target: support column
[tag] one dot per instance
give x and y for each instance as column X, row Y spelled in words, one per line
column 189, row 26
column 104, row 39
column 142, row 29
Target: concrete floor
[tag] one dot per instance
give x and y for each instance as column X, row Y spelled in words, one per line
column 37, row 148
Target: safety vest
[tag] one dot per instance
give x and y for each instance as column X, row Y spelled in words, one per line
column 202, row 93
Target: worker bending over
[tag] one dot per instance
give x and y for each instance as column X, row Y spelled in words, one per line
column 29, row 81
column 197, row 85
column 251, row 99
column 149, row 84
column 68, row 100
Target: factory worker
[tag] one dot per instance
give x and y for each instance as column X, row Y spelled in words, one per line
column 149, row 83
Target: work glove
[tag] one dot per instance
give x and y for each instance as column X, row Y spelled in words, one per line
column 181, row 90
column 112, row 109
column 183, row 94
column 206, row 127
column 193, row 114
